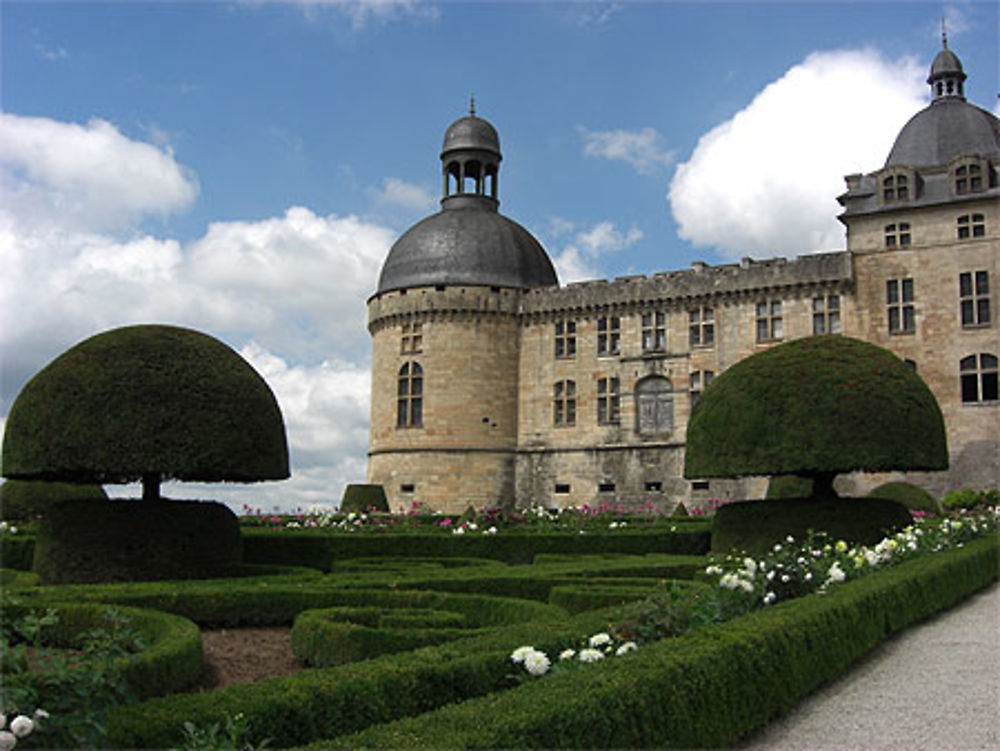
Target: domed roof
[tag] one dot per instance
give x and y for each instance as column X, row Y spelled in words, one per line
column 467, row 246
column 945, row 129
column 471, row 132
column 946, row 64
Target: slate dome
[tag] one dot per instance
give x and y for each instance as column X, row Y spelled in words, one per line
column 468, row 241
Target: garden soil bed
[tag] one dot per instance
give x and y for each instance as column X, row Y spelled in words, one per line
column 245, row 655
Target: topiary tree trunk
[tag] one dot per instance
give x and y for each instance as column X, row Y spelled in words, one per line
column 151, row 487
column 823, row 484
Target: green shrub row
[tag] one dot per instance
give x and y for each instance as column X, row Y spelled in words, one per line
column 319, row 549
column 326, row 702
column 17, row 551
column 592, row 594
column 170, row 661
column 708, row 688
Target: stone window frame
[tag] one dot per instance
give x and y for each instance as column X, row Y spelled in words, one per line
column 609, row 336
column 565, row 339
column 410, row 395
column 974, row 299
column 609, row 401
column 412, row 339
column 769, row 320
column 697, row 382
column 897, row 186
column 971, row 226
column 701, row 327
column 898, row 235
column 900, row 300
column 826, row 314
column 968, row 175
column 654, row 331
column 978, row 378
column 564, row 403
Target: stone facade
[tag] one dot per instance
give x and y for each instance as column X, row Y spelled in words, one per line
column 541, row 394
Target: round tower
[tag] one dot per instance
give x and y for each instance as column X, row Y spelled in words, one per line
column 446, row 341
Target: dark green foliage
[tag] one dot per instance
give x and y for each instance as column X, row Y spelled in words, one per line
column 754, row 526
column 680, row 510
column 578, row 598
column 789, row 486
column 968, row 498
column 912, row 496
column 103, row 541
column 709, row 688
column 318, row 549
column 22, row 500
column 815, row 406
column 360, row 499
column 17, row 551
column 145, row 401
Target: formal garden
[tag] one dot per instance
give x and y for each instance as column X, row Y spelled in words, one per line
column 609, row 626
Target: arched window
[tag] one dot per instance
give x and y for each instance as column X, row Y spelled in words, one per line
column 564, row 403
column 410, row 396
column 654, row 405
column 978, row 376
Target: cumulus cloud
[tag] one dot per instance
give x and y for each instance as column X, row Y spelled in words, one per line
column 578, row 260
column 289, row 290
column 643, row 150
column 396, row 192
column 763, row 183
column 89, row 177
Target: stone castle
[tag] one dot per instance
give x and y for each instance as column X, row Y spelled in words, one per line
column 492, row 384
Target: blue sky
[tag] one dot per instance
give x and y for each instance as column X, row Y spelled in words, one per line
column 243, row 167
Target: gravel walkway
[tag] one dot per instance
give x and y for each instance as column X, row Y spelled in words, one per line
column 936, row 686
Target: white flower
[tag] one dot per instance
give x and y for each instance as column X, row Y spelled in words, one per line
column 21, row 726
column 835, row 574
column 750, row 565
column 537, row 663
column 13, row 530
column 809, row 576
column 713, row 570
column 3, row 526
column 458, row 531
column 785, row 578
column 613, row 525
column 7, row 740
column 567, row 654
column 626, row 648
column 789, row 539
column 40, row 714
column 521, row 653
column 729, row 581
column 777, row 548
column 769, row 598
column 490, row 531
column 473, row 526
column 746, row 586
column 599, row 640
column 590, row 655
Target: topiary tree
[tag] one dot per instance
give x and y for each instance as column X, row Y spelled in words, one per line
column 146, row 403
column 914, row 497
column 359, row 498
column 816, row 407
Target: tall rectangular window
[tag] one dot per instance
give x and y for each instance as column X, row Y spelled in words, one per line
column 826, row 314
column 412, row 339
column 566, row 339
column 701, row 327
column 564, row 403
column 974, row 298
column 769, row 320
column 978, row 376
column 608, row 401
column 654, row 332
column 899, row 302
column 608, row 336
column 699, row 381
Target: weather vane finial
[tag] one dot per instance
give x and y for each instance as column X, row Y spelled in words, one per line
column 472, row 105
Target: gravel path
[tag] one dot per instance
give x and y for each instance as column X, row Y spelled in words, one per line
column 935, row 687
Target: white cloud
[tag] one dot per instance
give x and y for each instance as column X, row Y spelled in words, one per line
column 396, row 192
column 361, row 12
column 763, row 183
column 643, row 150
column 289, row 289
column 88, row 177
column 578, row 260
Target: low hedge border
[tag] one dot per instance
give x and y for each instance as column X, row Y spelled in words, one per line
column 326, row 702
column 709, row 688
column 171, row 661
column 319, row 549
column 589, row 595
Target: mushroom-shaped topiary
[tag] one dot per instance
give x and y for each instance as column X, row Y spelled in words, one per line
column 146, row 403
column 816, row 407
column 25, row 499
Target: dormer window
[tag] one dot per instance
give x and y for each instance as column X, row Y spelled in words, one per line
column 968, row 178
column 896, row 187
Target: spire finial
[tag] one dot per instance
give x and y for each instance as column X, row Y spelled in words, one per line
column 944, row 34
column 472, row 105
